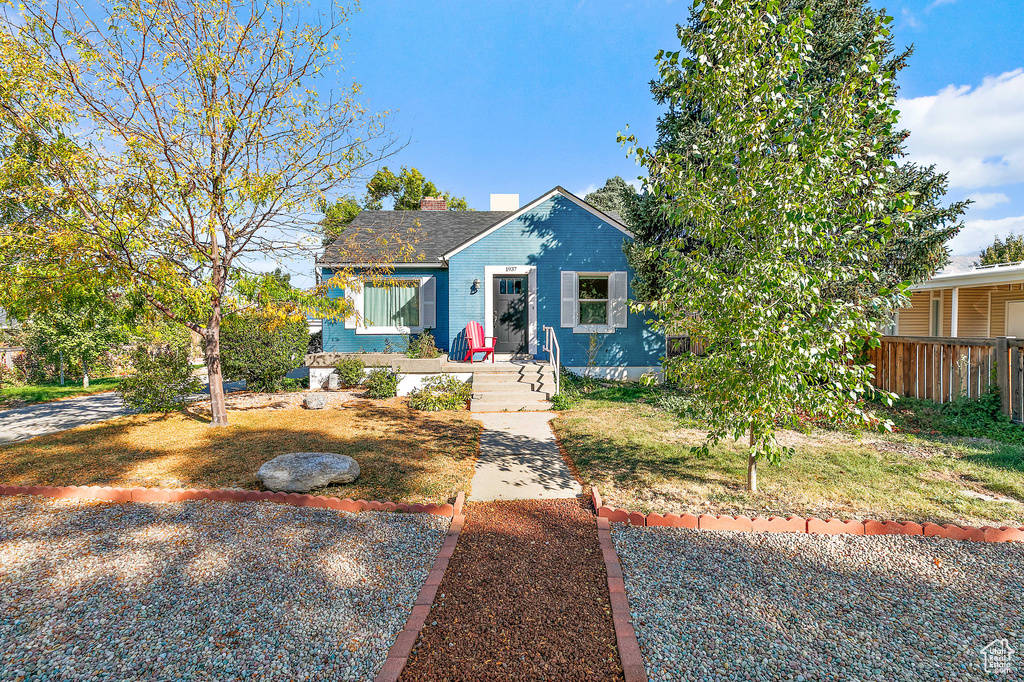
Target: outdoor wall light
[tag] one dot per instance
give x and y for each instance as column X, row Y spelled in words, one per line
column 476, row 285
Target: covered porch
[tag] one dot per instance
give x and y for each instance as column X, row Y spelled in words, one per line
column 984, row 302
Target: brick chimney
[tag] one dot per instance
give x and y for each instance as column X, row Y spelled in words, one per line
column 433, row 204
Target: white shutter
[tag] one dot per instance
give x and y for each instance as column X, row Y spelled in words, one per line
column 350, row 320
column 617, row 294
column 569, row 294
column 428, row 302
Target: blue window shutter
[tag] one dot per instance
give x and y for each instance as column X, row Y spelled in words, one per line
column 617, row 295
column 569, row 297
column 428, row 302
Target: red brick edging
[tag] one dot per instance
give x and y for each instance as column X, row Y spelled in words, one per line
column 406, row 640
column 92, row 492
column 795, row 524
column 625, row 636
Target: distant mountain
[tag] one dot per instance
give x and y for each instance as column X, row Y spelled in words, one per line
column 959, row 264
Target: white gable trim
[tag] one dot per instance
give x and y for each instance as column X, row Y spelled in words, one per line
column 603, row 217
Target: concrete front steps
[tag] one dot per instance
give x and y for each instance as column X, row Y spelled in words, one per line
column 525, row 387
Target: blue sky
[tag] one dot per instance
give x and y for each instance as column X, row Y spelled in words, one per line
column 514, row 97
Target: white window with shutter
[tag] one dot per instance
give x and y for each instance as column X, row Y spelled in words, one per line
column 594, row 302
column 396, row 305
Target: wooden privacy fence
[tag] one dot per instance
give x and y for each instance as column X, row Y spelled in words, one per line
column 944, row 369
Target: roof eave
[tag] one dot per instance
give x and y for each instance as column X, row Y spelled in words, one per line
column 423, row 264
column 973, row 278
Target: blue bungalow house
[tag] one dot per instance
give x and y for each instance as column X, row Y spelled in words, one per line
column 555, row 262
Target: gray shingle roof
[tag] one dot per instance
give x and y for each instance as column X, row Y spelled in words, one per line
column 432, row 234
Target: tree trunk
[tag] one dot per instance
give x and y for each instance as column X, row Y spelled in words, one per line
column 62, row 368
column 85, row 375
column 752, row 465
column 214, row 372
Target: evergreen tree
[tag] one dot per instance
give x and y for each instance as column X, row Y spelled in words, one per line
column 842, row 34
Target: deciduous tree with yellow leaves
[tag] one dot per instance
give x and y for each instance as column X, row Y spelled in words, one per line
column 166, row 147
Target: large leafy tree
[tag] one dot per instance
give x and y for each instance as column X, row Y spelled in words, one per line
column 79, row 331
column 206, row 135
column 406, row 189
column 336, row 217
column 1009, row 250
column 842, row 33
column 785, row 202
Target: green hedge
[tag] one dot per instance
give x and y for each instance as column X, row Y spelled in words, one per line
column 262, row 347
column 443, row 392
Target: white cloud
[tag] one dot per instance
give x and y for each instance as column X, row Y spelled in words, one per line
column 940, row 3
column 590, row 188
column 910, row 18
column 974, row 133
column 986, row 200
column 977, row 234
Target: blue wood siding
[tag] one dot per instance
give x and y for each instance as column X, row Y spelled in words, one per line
column 555, row 235
column 337, row 339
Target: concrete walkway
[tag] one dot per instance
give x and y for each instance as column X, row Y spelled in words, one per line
column 23, row 423
column 519, row 460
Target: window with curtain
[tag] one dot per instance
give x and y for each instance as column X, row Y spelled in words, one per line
column 393, row 305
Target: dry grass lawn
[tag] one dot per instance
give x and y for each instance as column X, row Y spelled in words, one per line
column 641, row 459
column 404, row 455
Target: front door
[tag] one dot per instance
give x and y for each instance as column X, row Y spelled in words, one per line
column 510, row 314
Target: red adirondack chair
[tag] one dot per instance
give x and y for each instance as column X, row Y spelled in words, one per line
column 478, row 342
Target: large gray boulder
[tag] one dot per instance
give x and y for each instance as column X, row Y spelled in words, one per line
column 315, row 402
column 300, row 472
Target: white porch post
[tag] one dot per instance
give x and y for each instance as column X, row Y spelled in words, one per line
column 954, row 312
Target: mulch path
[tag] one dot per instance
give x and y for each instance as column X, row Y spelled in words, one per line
column 525, row 597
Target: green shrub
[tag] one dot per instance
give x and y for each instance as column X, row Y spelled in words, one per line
column 964, row 417
column 421, row 345
column 382, row 383
column 162, row 378
column 292, row 385
column 564, row 401
column 261, row 347
column 572, row 389
column 980, row 418
column 351, row 371
column 442, row 392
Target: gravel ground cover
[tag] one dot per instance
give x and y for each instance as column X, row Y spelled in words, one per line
column 525, row 597
column 745, row 606
column 204, row 590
